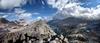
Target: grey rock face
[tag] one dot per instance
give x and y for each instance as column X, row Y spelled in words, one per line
column 77, row 30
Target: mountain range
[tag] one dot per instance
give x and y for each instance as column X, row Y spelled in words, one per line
column 69, row 30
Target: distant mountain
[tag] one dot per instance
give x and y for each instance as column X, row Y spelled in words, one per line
column 3, row 20
column 69, row 30
column 73, row 28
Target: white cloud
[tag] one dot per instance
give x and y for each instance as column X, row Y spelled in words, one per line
column 47, row 18
column 4, row 16
column 26, row 16
column 67, row 8
column 8, row 4
column 58, row 3
column 19, row 10
column 39, row 17
column 22, row 14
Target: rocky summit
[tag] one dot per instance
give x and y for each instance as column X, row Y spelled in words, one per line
column 36, row 32
column 70, row 30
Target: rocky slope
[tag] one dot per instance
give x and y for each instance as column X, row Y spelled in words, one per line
column 36, row 32
column 77, row 30
column 69, row 30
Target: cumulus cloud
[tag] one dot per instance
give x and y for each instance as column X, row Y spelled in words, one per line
column 19, row 10
column 27, row 17
column 20, row 14
column 68, row 8
column 58, row 3
column 8, row 4
column 24, row 15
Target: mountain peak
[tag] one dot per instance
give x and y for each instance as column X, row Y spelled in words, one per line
column 3, row 20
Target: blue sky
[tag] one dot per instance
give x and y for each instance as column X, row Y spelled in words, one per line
column 37, row 8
